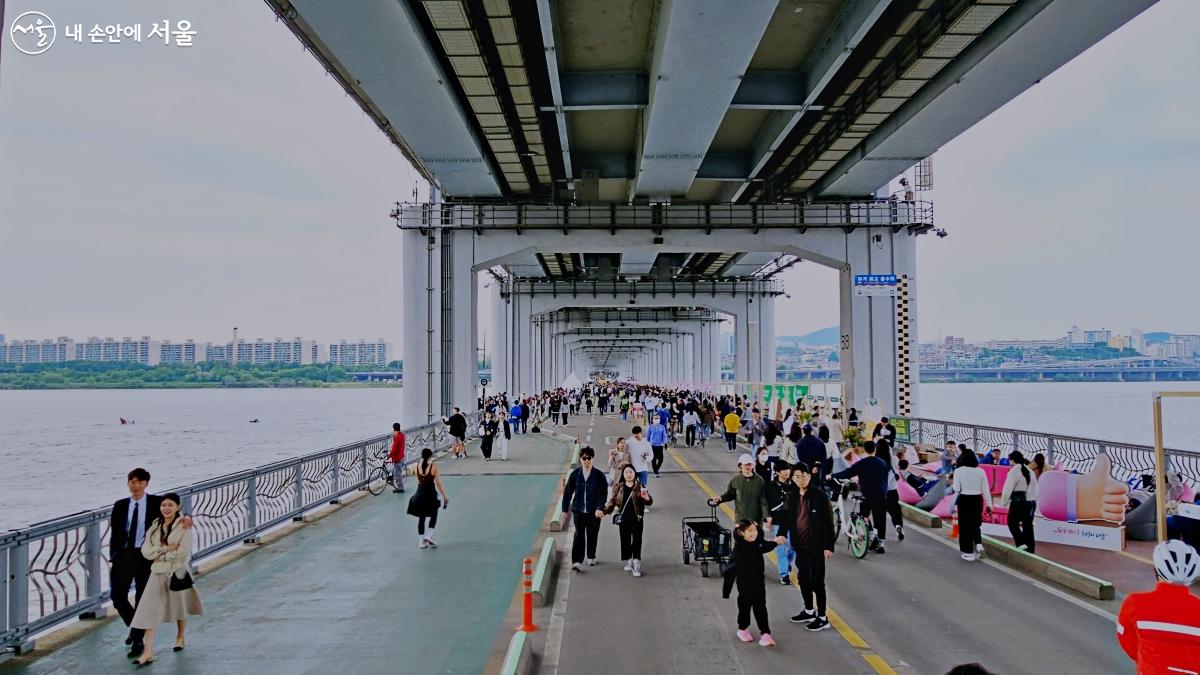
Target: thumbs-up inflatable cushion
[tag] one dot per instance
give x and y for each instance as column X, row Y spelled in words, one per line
column 1091, row 496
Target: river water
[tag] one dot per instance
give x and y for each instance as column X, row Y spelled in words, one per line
column 66, row 451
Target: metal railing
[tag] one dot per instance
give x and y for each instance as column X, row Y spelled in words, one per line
column 57, row 570
column 862, row 213
column 1129, row 460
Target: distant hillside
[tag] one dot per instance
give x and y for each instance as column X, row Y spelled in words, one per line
column 1157, row 337
column 826, row 336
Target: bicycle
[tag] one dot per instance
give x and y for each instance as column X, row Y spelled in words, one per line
column 380, row 476
column 860, row 535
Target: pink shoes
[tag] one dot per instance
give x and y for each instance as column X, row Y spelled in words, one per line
column 766, row 640
column 745, row 636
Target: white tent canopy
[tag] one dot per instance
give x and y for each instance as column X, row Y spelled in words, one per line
column 571, row 382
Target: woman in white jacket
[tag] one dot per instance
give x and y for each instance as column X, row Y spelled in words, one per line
column 169, row 548
column 971, row 485
column 1020, row 496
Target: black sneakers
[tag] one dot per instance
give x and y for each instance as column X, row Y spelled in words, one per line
column 785, row 580
column 819, row 623
column 807, row 616
column 900, row 532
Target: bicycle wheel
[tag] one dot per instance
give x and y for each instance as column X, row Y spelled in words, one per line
column 377, row 480
column 859, row 536
column 837, row 521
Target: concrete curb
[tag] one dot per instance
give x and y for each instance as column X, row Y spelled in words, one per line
column 558, row 523
column 1035, row 565
column 519, row 659
column 545, row 571
column 920, row 517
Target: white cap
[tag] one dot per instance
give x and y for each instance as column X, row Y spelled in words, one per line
column 745, row 458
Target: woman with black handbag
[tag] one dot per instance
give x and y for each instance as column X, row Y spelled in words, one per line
column 628, row 506
column 170, row 595
column 1020, row 496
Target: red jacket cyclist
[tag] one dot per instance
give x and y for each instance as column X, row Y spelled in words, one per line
column 1160, row 629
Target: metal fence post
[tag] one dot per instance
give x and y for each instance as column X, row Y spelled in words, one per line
column 920, row 431
column 1050, row 461
column 335, row 478
column 298, row 491
column 251, row 510
column 974, row 438
column 92, row 570
column 1016, row 441
column 4, row 590
column 1101, row 449
column 945, row 433
column 363, row 462
column 18, row 593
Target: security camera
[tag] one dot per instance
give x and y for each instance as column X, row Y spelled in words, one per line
column 942, row 234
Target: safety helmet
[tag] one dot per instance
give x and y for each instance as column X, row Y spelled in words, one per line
column 1176, row 562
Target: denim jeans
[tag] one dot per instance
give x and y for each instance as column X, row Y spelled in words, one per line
column 785, row 555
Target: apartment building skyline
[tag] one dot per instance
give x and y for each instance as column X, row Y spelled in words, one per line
column 152, row 352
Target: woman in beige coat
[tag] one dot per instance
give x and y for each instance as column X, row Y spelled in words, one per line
column 169, row 547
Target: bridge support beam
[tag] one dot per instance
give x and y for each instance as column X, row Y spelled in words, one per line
column 878, row 348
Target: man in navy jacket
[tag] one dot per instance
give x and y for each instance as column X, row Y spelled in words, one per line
column 584, row 495
column 872, row 473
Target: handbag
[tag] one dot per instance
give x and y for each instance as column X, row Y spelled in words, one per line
column 618, row 514
column 183, row 583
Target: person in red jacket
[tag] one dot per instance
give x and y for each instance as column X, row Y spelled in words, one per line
column 1160, row 629
column 396, row 454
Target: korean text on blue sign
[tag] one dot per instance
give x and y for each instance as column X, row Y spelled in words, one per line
column 875, row 279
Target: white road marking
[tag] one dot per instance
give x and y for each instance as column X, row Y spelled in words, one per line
column 1014, row 573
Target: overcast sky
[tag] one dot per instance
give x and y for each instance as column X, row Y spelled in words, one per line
column 175, row 192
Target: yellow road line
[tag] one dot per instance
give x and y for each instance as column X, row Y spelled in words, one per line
column 1135, row 556
column 848, row 634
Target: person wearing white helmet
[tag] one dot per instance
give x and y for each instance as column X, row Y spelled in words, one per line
column 1160, row 629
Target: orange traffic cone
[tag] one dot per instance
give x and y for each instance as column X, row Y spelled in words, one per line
column 954, row 525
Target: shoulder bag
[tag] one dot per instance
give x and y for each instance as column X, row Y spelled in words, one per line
column 618, row 515
column 183, row 583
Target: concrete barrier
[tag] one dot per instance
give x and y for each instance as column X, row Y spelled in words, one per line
column 1043, row 568
column 544, row 572
column 519, row 658
column 920, row 517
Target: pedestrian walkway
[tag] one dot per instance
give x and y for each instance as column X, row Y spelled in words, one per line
column 352, row 593
column 918, row 609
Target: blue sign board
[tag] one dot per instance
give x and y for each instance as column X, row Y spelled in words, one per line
column 875, row 280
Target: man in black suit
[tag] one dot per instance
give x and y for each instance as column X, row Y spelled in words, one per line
column 131, row 518
column 884, row 430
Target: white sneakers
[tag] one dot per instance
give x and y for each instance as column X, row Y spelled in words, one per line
column 980, row 551
column 421, row 542
column 591, row 562
column 969, row 557
column 429, row 537
column 637, row 567
column 578, row 567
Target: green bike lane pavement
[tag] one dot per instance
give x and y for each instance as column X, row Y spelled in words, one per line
column 353, row 593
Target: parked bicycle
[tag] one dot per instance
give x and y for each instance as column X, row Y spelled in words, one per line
column 860, row 535
column 379, row 476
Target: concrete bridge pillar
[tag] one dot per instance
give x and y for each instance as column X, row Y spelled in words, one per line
column 878, row 349
column 498, row 339
column 420, row 342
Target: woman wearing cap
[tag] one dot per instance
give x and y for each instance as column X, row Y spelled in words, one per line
column 748, row 492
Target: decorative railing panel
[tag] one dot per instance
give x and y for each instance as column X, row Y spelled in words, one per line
column 57, row 570
column 1129, row 461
